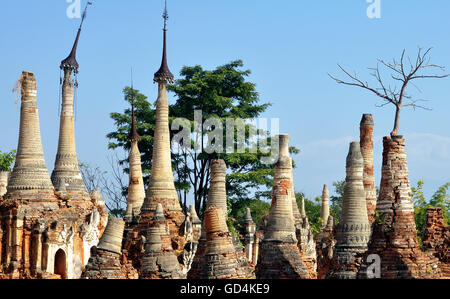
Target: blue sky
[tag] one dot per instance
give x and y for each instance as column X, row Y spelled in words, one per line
column 290, row 46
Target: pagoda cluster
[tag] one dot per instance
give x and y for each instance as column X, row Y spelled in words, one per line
column 51, row 227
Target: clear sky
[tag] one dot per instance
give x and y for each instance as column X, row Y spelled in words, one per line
column 290, row 46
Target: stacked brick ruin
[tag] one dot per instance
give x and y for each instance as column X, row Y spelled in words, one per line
column 47, row 234
column 284, row 170
column 394, row 235
column 366, row 141
column 436, row 238
column 105, row 261
column 353, row 232
column 217, row 198
column 221, row 260
column 325, row 244
column 160, row 260
column 161, row 191
column 279, row 256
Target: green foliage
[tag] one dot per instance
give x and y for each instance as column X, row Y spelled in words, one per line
column 313, row 209
column 440, row 199
column 258, row 208
column 7, row 160
column 337, row 200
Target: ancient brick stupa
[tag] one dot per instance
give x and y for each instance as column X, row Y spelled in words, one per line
column 161, row 189
column 325, row 243
column 66, row 176
column 280, row 256
column 136, row 188
column 283, row 170
column 221, row 260
column 366, row 141
column 217, row 197
column 46, row 234
column 394, row 236
column 325, row 211
column 160, row 260
column 353, row 231
column 105, row 261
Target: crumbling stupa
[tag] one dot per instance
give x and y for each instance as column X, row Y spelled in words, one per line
column 136, row 188
column 160, row 260
column 217, row 199
column 66, row 176
column 280, row 256
column 105, row 260
column 221, row 260
column 161, row 188
column 353, row 231
column 394, row 236
column 46, row 234
column 325, row 211
column 366, row 141
column 284, row 171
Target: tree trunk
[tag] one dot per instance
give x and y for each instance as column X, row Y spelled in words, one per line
column 397, row 121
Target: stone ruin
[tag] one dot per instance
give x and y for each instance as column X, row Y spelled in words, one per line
column 436, row 239
column 325, row 244
column 353, row 232
column 279, row 256
column 284, row 170
column 46, row 233
column 217, row 199
column 394, row 235
column 366, row 143
column 325, row 211
column 160, row 260
column 105, row 260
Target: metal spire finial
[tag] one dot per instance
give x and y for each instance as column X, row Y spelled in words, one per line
column 164, row 74
column 71, row 61
column 165, row 15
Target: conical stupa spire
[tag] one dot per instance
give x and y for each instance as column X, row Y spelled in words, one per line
column 71, row 62
column 217, row 195
column 66, row 176
column 136, row 188
column 30, row 171
column 161, row 186
column 353, row 231
column 325, row 212
column 280, row 226
column 366, row 140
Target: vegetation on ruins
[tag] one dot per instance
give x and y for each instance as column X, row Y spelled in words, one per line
column 440, row 199
column 222, row 93
column 402, row 75
column 7, row 160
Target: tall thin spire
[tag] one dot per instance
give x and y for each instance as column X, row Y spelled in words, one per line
column 164, row 74
column 71, row 61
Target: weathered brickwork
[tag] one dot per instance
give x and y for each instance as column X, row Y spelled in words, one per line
column 436, row 238
column 366, row 141
column 394, row 236
column 279, row 256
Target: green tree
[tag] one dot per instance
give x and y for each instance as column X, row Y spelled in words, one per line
column 258, row 208
column 223, row 93
column 337, row 200
column 440, row 199
column 7, row 160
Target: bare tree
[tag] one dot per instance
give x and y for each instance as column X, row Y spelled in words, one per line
column 402, row 73
column 113, row 185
